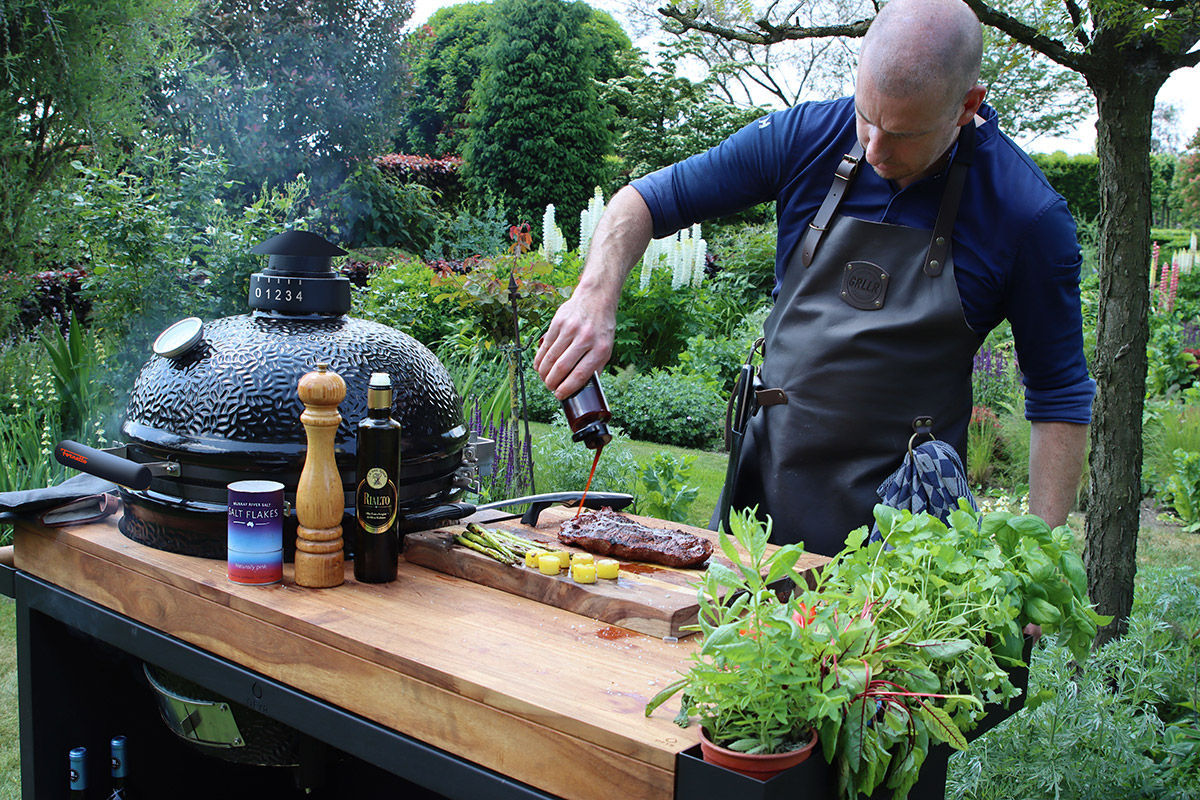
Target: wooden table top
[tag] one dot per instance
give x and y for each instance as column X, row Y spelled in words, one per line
column 539, row 694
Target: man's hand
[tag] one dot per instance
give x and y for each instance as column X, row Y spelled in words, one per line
column 578, row 342
column 580, row 338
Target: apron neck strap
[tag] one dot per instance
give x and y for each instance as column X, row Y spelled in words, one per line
column 843, row 179
column 939, row 245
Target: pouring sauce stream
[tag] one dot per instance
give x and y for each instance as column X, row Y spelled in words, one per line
column 591, row 475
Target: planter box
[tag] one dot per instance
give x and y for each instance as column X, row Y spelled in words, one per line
column 696, row 779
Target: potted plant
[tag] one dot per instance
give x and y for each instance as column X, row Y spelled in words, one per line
column 925, row 627
column 898, row 645
column 754, row 683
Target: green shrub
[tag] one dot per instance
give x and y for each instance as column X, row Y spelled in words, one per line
column 157, row 243
column 654, row 323
column 537, row 129
column 745, row 275
column 1014, row 444
column 373, row 208
column 543, row 405
column 1169, row 368
column 229, row 236
column 666, row 494
column 1121, row 726
column 1181, row 491
column 464, row 235
column 399, row 294
column 983, row 445
column 1167, row 427
column 1171, row 239
column 1077, row 178
column 714, row 361
column 563, row 465
column 670, row 409
column 718, row 360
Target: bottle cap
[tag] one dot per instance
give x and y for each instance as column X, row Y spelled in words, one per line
column 379, row 390
column 594, row 435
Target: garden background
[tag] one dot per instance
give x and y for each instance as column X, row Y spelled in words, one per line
column 148, row 145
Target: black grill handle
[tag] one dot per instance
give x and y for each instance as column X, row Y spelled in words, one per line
column 450, row 513
column 539, row 503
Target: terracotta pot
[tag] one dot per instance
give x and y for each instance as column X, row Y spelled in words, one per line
column 761, row 767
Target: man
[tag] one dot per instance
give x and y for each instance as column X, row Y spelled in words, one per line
column 884, row 295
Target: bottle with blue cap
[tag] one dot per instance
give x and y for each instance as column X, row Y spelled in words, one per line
column 78, row 757
column 119, row 792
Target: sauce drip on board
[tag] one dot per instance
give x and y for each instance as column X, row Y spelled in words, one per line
column 591, row 475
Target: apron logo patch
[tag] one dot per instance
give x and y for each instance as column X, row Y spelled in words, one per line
column 864, row 285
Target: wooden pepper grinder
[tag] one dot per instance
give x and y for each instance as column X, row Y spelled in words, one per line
column 319, row 499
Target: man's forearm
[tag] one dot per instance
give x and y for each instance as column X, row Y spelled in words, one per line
column 580, row 337
column 617, row 245
column 1056, row 452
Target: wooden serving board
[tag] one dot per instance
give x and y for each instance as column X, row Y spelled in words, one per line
column 647, row 598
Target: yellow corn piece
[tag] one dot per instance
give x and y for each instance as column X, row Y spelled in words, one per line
column 549, row 564
column 582, row 558
column 564, row 558
column 607, row 568
column 531, row 557
column 583, row 573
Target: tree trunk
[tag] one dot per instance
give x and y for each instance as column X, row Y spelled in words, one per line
column 1125, row 105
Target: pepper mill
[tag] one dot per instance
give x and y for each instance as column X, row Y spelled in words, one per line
column 319, row 499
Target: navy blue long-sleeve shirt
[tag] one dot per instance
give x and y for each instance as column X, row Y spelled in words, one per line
column 1016, row 254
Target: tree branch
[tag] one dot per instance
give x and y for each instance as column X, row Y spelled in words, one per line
column 1167, row 5
column 1189, row 60
column 768, row 33
column 1077, row 22
column 1027, row 35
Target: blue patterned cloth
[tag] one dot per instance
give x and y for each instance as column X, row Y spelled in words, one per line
column 931, row 479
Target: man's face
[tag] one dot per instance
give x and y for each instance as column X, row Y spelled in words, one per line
column 903, row 139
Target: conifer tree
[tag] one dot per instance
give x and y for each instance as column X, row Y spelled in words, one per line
column 539, row 132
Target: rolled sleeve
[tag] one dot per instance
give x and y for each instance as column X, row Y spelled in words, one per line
column 740, row 172
column 1047, row 320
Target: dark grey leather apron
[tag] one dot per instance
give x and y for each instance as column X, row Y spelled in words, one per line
column 864, row 339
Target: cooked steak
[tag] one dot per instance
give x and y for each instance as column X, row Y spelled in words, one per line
column 607, row 533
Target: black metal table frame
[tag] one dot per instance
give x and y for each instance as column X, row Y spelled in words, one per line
column 41, row 666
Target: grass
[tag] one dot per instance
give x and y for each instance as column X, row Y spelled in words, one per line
column 10, row 753
column 708, row 473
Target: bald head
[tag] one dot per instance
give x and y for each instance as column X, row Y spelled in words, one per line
column 923, row 48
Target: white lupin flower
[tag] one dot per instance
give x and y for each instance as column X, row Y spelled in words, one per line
column 698, row 263
column 681, row 262
column 553, row 242
column 589, row 218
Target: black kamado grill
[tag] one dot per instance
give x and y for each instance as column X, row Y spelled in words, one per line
column 217, row 403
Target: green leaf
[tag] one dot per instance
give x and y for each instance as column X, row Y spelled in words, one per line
column 944, row 650
column 1041, row 611
column 721, row 636
column 783, row 561
column 939, row 722
column 667, row 692
column 724, row 576
column 1072, row 566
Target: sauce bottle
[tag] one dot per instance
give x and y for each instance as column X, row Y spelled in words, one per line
column 587, row 412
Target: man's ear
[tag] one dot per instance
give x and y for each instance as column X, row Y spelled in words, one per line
column 971, row 104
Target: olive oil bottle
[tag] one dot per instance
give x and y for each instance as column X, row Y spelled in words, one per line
column 376, row 541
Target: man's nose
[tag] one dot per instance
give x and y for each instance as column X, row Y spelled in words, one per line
column 877, row 147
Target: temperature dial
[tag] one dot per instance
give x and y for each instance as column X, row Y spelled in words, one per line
column 300, row 295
